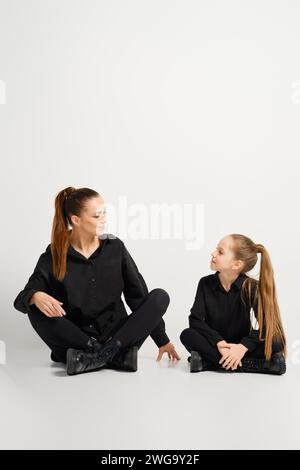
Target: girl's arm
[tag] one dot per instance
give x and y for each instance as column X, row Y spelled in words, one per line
column 251, row 341
column 197, row 317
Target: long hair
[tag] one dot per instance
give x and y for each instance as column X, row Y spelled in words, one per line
column 265, row 296
column 68, row 202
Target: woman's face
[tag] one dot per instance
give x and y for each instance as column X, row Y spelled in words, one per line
column 92, row 219
column 223, row 258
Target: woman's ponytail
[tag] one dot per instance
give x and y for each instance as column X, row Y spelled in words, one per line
column 60, row 234
column 68, row 202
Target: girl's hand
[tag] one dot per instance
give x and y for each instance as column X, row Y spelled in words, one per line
column 232, row 359
column 223, row 348
column 170, row 350
column 48, row 305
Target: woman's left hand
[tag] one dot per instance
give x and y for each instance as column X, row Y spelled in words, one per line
column 168, row 348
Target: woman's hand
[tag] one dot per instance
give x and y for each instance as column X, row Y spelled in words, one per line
column 48, row 305
column 170, row 349
column 232, row 359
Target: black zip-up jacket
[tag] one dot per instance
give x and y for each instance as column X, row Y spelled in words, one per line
column 92, row 287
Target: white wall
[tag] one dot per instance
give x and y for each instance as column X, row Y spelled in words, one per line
column 159, row 101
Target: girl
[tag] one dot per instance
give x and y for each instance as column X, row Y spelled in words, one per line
column 73, row 298
column 222, row 333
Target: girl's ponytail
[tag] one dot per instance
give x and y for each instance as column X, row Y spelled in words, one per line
column 261, row 293
column 268, row 309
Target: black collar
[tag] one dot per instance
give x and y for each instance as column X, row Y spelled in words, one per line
column 237, row 283
column 105, row 238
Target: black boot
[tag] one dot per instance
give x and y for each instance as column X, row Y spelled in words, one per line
column 276, row 365
column 196, row 364
column 199, row 364
column 94, row 357
column 126, row 359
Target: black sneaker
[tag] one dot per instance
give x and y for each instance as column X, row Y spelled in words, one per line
column 92, row 358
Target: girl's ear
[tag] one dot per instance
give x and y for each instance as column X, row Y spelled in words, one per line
column 237, row 265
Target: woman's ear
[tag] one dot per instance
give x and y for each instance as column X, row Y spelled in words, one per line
column 74, row 219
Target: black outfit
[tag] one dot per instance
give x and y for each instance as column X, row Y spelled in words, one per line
column 218, row 315
column 91, row 294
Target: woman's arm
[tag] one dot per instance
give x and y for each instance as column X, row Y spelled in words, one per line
column 38, row 281
column 135, row 290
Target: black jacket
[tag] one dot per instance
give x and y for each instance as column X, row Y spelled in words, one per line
column 92, row 288
column 221, row 315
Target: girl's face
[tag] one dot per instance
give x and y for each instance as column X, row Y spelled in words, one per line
column 92, row 219
column 223, row 258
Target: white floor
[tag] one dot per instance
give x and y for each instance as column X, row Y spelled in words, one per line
column 161, row 406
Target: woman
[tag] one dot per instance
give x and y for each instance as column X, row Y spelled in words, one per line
column 222, row 333
column 73, row 298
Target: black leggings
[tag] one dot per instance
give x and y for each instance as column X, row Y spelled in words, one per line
column 59, row 333
column 195, row 341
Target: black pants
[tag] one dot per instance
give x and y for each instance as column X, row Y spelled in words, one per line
column 60, row 333
column 195, row 341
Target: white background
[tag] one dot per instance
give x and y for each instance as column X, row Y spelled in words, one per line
column 161, row 102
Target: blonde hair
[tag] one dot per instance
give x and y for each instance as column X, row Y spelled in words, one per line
column 265, row 297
